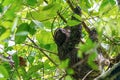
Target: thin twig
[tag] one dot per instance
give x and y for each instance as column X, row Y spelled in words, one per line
column 70, row 5
column 52, row 26
column 86, row 27
column 62, row 77
column 87, row 74
column 64, row 20
column 78, row 63
column 42, row 51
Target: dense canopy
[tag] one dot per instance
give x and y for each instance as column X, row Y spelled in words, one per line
column 59, row 39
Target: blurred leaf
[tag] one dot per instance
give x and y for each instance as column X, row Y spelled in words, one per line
column 88, row 45
column 52, row 6
column 1, row 8
column 7, row 67
column 44, row 14
column 91, row 61
column 14, row 24
column 68, row 77
column 15, row 58
column 44, row 37
column 72, row 22
column 47, row 46
column 31, row 56
column 64, row 64
column 12, row 7
column 3, row 72
column 70, row 71
column 32, row 28
column 2, row 78
column 38, row 24
column 21, row 33
column 31, row 2
column 22, row 72
column 106, row 5
column 33, row 69
column 49, row 6
column 2, row 30
column 5, row 35
column 85, row 4
column 31, row 59
column 7, row 2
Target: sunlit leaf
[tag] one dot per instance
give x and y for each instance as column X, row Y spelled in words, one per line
column 3, row 72
column 106, row 5
column 87, row 46
column 68, row 78
column 85, row 4
column 73, row 22
column 64, row 64
column 44, row 14
column 38, row 24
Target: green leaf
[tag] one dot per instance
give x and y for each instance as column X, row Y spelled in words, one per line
column 44, row 14
column 64, row 64
column 91, row 61
column 47, row 46
column 49, row 6
column 87, row 46
column 3, row 79
column 38, row 24
column 44, row 37
column 72, row 22
column 31, row 2
column 1, row 8
column 3, row 72
column 70, row 71
column 31, row 59
column 2, row 30
column 7, row 66
column 21, row 33
column 13, row 7
column 7, row 2
column 52, row 7
column 32, row 28
column 106, row 5
column 31, row 56
column 68, row 77
column 16, row 60
column 33, row 70
column 22, row 72
column 85, row 4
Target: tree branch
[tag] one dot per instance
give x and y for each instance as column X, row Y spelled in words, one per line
column 112, row 74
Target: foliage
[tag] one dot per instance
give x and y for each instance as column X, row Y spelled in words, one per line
column 27, row 47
